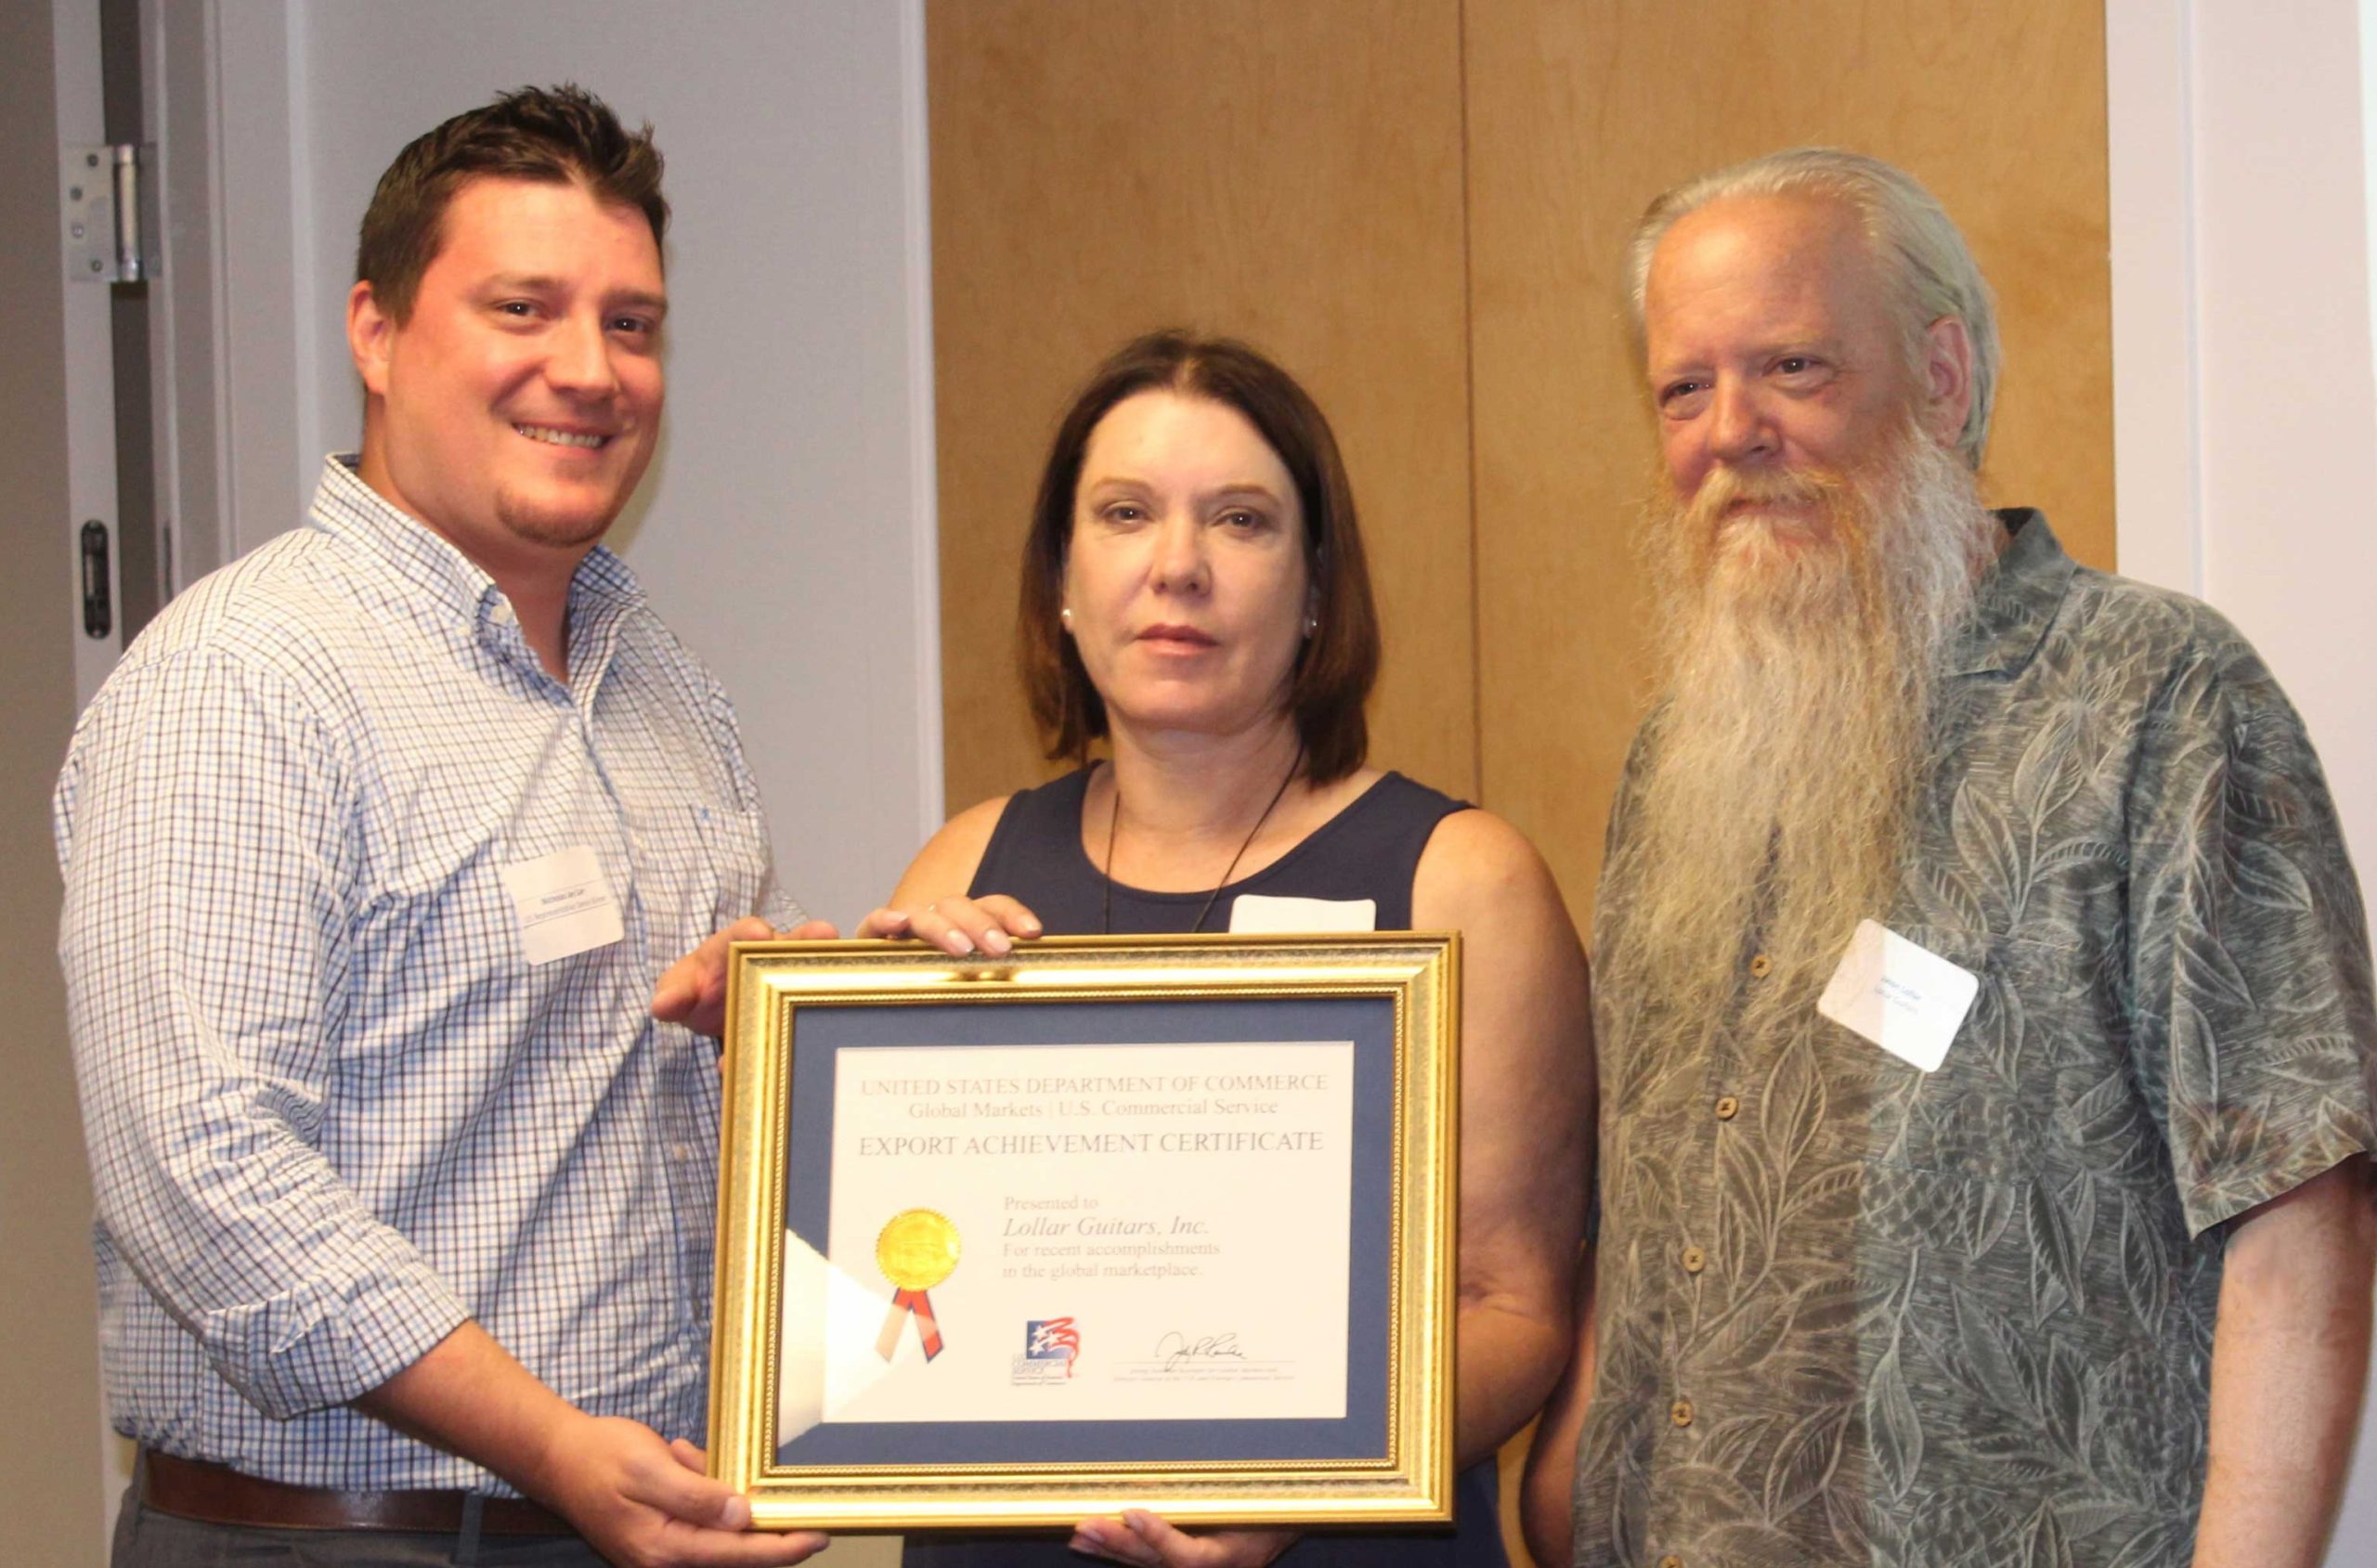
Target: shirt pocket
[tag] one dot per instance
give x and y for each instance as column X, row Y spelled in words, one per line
column 737, row 855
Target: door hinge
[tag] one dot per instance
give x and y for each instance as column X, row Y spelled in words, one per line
column 108, row 214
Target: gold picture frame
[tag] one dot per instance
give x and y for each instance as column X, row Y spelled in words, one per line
column 1075, row 1067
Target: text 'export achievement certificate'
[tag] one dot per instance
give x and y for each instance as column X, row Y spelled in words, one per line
column 1064, row 1233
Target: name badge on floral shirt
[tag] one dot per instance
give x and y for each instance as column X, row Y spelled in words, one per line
column 1904, row 998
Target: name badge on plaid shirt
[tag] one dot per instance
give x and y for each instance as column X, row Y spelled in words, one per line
column 563, row 904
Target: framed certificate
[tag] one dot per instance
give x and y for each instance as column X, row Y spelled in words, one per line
column 1154, row 1222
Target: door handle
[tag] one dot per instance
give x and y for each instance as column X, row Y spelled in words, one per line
column 99, row 610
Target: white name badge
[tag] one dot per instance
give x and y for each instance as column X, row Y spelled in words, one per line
column 563, row 904
column 1902, row 997
column 1257, row 913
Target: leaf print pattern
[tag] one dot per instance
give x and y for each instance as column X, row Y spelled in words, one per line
column 1848, row 1313
column 1896, row 1425
column 2145, row 1267
column 2055, row 1261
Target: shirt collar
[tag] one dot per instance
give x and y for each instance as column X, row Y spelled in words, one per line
column 433, row 581
column 2017, row 601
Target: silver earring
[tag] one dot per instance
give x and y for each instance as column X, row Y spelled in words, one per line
column 1065, row 617
column 1311, row 626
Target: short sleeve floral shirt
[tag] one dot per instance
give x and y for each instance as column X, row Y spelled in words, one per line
column 1851, row 1313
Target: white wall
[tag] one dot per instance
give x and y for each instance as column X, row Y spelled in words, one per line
column 785, row 529
column 2244, row 381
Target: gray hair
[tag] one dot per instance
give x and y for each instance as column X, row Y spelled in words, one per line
column 1918, row 245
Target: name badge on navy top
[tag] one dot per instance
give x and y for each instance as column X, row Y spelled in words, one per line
column 563, row 904
column 1253, row 913
column 1904, row 998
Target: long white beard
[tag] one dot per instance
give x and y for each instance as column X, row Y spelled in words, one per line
column 1786, row 759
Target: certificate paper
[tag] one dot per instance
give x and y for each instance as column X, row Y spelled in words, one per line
column 1152, row 1234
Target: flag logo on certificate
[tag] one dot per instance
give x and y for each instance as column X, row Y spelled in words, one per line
column 1052, row 1339
column 917, row 1249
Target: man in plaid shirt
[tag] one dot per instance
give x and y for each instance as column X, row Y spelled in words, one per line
column 374, row 846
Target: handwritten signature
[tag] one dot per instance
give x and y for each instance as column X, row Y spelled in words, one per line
column 1176, row 1349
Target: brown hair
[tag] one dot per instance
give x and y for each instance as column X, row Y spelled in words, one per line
column 1336, row 665
column 554, row 135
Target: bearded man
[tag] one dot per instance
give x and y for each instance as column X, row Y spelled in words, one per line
column 1984, row 1003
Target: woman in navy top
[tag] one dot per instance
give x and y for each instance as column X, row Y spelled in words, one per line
column 1194, row 597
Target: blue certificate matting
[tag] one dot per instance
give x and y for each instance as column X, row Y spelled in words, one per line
column 821, row 1030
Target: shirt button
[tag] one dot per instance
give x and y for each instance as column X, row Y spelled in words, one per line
column 1728, row 1108
column 1694, row 1260
column 501, row 614
column 678, row 1151
column 1681, row 1412
column 1760, row 967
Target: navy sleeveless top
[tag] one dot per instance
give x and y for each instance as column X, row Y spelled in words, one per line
column 1367, row 851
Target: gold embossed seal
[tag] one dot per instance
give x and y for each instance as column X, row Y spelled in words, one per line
column 917, row 1249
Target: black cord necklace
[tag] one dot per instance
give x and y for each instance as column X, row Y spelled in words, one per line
column 1105, row 872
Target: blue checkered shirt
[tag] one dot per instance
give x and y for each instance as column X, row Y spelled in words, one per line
column 333, row 1110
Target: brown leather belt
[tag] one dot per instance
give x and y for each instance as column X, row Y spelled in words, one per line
column 214, row 1493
